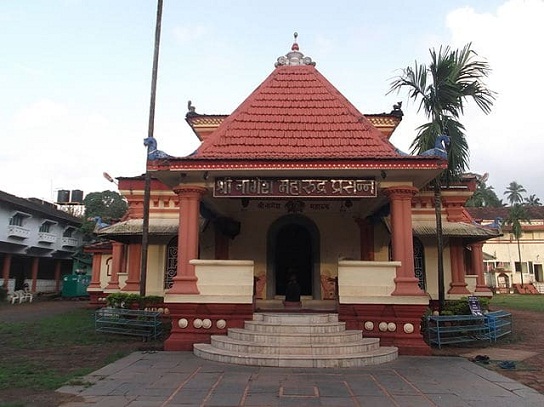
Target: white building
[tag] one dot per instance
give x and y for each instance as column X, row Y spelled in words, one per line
column 37, row 242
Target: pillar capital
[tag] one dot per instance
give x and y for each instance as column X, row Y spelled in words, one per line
column 400, row 191
column 190, row 190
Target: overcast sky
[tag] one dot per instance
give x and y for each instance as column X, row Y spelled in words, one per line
column 75, row 77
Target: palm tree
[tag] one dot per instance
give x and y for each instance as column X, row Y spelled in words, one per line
column 442, row 88
column 516, row 215
column 513, row 193
column 533, row 201
column 484, row 196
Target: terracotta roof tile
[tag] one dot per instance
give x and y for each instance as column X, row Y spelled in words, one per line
column 295, row 114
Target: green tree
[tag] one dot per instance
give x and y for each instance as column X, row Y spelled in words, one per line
column 516, row 215
column 442, row 88
column 533, row 201
column 514, row 193
column 484, row 196
column 108, row 205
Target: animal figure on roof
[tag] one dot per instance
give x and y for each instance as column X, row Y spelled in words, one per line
column 152, row 152
column 497, row 223
column 440, row 147
column 99, row 224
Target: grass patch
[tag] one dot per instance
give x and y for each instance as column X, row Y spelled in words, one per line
column 524, row 302
column 57, row 350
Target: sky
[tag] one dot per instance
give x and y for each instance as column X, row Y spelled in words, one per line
column 75, row 77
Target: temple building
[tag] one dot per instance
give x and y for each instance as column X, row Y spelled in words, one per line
column 296, row 181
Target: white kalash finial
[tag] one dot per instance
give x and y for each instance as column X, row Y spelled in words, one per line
column 295, row 57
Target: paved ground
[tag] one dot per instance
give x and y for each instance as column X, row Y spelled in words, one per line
column 181, row 379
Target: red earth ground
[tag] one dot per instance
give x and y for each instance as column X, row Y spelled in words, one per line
column 527, row 336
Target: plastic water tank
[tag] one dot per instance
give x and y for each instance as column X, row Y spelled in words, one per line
column 63, row 196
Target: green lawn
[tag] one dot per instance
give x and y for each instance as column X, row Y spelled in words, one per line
column 45, row 355
column 518, row 301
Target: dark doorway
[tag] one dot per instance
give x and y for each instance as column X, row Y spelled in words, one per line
column 293, row 256
column 293, row 243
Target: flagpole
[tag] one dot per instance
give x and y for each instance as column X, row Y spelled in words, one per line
column 150, row 133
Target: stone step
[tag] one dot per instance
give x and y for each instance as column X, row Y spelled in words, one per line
column 374, row 357
column 317, row 328
column 272, row 338
column 299, row 349
column 295, row 319
column 295, row 340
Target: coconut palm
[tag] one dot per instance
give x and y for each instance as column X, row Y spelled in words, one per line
column 533, row 201
column 516, row 215
column 484, row 196
column 514, row 193
column 442, row 88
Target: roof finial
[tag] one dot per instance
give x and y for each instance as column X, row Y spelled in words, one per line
column 294, row 57
column 295, row 45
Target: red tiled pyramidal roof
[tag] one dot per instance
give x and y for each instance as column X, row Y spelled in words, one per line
column 296, row 113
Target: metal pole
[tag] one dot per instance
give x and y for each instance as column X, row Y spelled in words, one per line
column 150, row 132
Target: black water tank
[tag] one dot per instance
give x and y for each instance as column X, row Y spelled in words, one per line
column 77, row 196
column 63, row 196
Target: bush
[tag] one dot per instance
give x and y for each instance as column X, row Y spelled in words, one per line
column 461, row 307
column 126, row 300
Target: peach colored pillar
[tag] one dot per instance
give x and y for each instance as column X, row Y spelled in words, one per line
column 95, row 276
column 189, row 204
column 5, row 269
column 458, row 284
column 477, row 260
column 117, row 263
column 57, row 275
column 366, row 239
column 402, row 244
column 134, row 259
column 35, row 267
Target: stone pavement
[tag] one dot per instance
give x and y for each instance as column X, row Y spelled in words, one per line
column 176, row 379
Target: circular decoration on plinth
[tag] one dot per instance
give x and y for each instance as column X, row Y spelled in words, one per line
column 197, row 323
column 369, row 325
column 166, row 311
column 182, row 323
column 206, row 323
column 161, row 310
column 436, row 313
column 383, row 326
column 391, row 327
column 408, row 328
column 221, row 324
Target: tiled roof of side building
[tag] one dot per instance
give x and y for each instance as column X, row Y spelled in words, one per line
column 491, row 213
column 296, row 113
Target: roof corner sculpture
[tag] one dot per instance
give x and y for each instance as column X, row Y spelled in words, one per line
column 152, row 152
column 440, row 147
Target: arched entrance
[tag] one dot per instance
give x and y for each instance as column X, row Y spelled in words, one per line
column 293, row 248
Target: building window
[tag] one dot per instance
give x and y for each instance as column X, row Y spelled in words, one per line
column 45, row 227
column 419, row 262
column 171, row 269
column 16, row 220
column 68, row 232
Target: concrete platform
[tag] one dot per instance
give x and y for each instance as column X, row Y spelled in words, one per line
column 176, row 379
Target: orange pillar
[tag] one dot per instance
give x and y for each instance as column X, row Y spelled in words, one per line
column 189, row 203
column 366, row 239
column 477, row 260
column 134, row 258
column 5, row 269
column 458, row 284
column 57, row 275
column 95, row 276
column 116, row 268
column 402, row 244
column 35, row 267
